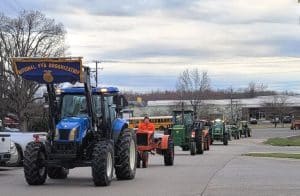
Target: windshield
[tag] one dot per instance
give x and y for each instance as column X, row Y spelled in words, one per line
column 188, row 118
column 75, row 105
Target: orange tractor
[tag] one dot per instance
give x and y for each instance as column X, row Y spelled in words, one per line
column 153, row 142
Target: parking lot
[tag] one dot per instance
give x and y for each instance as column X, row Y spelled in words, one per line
column 221, row 171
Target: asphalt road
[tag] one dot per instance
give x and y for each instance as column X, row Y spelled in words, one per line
column 221, row 171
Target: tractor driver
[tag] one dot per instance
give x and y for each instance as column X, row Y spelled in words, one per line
column 146, row 125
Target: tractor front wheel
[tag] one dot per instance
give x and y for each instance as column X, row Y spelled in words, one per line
column 102, row 163
column 207, row 143
column 58, row 172
column 169, row 153
column 126, row 155
column 35, row 169
column 145, row 159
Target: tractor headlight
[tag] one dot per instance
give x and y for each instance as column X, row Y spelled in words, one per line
column 73, row 134
column 193, row 134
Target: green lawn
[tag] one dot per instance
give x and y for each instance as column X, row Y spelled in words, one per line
column 274, row 155
column 290, row 141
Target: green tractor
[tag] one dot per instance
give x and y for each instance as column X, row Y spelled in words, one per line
column 233, row 131
column 218, row 132
column 183, row 133
column 245, row 129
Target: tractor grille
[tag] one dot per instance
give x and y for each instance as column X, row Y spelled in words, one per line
column 142, row 139
column 64, row 148
column 64, row 134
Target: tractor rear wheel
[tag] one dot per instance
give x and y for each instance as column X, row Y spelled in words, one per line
column 35, row 169
column 169, row 153
column 199, row 142
column 225, row 139
column 126, row 155
column 193, row 148
column 102, row 163
column 145, row 159
column 57, row 172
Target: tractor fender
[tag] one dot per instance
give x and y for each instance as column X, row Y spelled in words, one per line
column 164, row 142
column 118, row 125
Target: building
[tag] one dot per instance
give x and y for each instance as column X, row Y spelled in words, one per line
column 261, row 108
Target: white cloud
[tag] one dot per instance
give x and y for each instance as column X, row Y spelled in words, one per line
column 258, row 39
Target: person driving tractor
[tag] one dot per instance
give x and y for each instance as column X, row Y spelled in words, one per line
column 146, row 125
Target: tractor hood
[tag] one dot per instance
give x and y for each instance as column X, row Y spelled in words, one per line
column 72, row 129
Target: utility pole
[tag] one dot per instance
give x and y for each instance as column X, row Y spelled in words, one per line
column 231, row 102
column 96, row 71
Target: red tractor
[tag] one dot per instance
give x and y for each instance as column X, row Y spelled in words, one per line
column 203, row 127
column 153, row 142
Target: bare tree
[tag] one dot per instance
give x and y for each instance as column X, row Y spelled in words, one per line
column 30, row 34
column 254, row 88
column 193, row 83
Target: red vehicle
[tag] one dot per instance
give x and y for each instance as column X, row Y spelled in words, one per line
column 295, row 123
column 153, row 142
column 205, row 137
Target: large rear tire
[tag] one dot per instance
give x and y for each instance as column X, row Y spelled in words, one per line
column 199, row 142
column 102, row 163
column 193, row 148
column 57, row 172
column 169, row 153
column 225, row 139
column 126, row 155
column 35, row 169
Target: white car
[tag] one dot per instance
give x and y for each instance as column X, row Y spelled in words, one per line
column 20, row 140
column 5, row 145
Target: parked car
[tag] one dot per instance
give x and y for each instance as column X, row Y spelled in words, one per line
column 5, row 146
column 287, row 119
column 20, row 140
column 253, row 121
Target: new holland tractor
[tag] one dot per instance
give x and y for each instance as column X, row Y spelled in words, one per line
column 84, row 128
column 183, row 133
column 219, row 132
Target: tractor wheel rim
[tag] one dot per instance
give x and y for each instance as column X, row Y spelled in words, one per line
column 132, row 154
column 109, row 164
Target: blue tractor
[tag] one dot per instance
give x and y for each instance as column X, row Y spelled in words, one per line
column 84, row 125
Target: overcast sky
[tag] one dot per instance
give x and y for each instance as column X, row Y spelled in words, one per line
column 145, row 44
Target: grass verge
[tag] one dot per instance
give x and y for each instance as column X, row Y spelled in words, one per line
column 273, row 155
column 290, row 141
